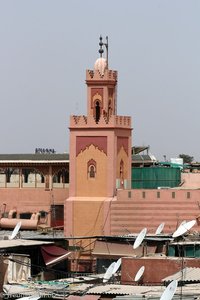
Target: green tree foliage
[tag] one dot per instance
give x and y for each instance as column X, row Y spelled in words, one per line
column 187, row 159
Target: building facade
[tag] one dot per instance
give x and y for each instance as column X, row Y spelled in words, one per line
column 33, row 183
column 100, row 156
column 101, row 201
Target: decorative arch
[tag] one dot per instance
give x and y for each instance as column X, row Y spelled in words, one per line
column 40, row 176
column 121, row 171
column 97, row 104
column 97, row 110
column 61, row 176
column 110, row 110
column 91, row 168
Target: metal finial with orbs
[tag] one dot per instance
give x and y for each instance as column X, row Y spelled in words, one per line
column 101, row 51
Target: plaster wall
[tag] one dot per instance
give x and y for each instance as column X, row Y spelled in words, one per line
column 30, row 199
column 122, row 155
column 162, row 267
column 109, row 167
column 87, row 186
column 91, row 216
column 139, row 208
column 190, row 180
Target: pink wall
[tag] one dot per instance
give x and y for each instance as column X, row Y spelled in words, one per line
column 162, row 267
column 190, row 180
column 30, row 199
column 136, row 209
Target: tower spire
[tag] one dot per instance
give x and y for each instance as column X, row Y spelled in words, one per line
column 101, row 50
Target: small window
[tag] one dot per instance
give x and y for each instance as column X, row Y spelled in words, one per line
column 92, row 171
column 158, row 194
column 143, row 195
column 97, row 111
column 188, row 195
column 129, row 194
column 91, row 168
column 173, row 195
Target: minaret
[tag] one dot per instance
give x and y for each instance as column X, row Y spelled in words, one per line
column 102, row 88
column 100, row 151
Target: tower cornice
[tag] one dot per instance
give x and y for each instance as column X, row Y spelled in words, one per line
column 99, row 82
column 108, row 75
column 89, row 122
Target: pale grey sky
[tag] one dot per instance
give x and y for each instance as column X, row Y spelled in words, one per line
column 46, row 46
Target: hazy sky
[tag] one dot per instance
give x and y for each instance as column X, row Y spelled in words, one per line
column 46, row 46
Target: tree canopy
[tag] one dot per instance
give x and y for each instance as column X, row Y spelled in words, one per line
column 187, row 159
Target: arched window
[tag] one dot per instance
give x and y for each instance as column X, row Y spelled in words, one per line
column 91, row 168
column 61, row 176
column 109, row 108
column 121, row 174
column 92, row 171
column 97, row 111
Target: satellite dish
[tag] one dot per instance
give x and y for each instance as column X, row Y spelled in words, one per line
column 160, row 228
column 139, row 238
column 117, row 266
column 169, row 291
column 183, row 228
column 139, row 273
column 180, row 225
column 15, row 231
column 109, row 272
column 183, row 222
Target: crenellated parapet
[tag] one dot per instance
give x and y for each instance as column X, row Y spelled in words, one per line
column 124, row 121
column 89, row 121
column 96, row 75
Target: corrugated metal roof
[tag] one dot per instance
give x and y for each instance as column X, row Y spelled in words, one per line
column 34, row 157
column 185, row 275
column 118, row 289
column 117, row 249
column 85, row 297
column 190, row 291
column 153, row 297
column 35, row 234
column 185, row 243
column 142, row 158
column 5, row 244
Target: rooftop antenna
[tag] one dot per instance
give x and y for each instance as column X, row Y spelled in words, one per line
column 106, row 45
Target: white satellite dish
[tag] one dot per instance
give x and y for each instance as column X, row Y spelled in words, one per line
column 109, row 272
column 117, row 266
column 15, row 231
column 139, row 238
column 183, row 228
column 183, row 222
column 180, row 225
column 160, row 228
column 139, row 273
column 169, row 291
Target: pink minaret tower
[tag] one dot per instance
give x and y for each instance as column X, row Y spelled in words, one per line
column 100, row 154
